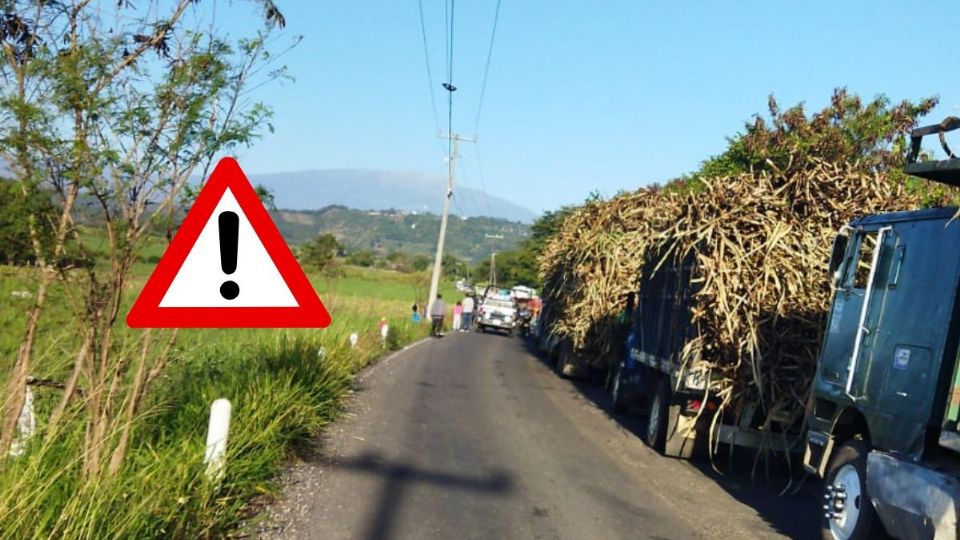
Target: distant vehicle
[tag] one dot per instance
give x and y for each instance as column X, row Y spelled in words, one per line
column 465, row 287
column 497, row 313
column 524, row 317
column 884, row 427
column 522, row 292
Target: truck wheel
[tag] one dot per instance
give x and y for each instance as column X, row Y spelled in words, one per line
column 616, row 390
column 847, row 512
column 563, row 360
column 562, row 363
column 663, row 418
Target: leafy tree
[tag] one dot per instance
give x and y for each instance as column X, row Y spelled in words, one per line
column 874, row 134
column 420, row 263
column 362, row 258
column 266, row 197
column 520, row 266
column 16, row 210
column 321, row 253
column 453, row 266
column 118, row 107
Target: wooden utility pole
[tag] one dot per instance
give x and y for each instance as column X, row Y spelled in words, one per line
column 451, row 172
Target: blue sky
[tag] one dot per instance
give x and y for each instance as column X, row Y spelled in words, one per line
column 582, row 96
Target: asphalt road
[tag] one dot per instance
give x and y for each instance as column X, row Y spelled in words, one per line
column 472, row 436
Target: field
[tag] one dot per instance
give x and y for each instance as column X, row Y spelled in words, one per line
column 285, row 386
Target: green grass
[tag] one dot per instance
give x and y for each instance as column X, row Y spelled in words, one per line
column 282, row 390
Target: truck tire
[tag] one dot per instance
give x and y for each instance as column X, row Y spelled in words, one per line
column 565, row 366
column 616, row 390
column 662, row 422
column 658, row 420
column 848, row 513
column 562, row 360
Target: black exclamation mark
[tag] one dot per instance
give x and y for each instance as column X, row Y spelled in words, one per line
column 229, row 226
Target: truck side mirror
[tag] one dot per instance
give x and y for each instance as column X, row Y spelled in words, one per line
column 837, row 256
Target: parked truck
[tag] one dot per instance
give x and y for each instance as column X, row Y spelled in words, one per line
column 660, row 369
column 883, row 425
column 657, row 370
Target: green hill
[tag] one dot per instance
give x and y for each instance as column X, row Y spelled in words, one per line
column 390, row 230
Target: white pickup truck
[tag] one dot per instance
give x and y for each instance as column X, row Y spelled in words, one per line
column 498, row 314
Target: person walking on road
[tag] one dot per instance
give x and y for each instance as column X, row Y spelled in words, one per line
column 468, row 306
column 437, row 311
column 457, row 316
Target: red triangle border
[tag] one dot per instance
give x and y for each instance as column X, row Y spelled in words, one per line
column 146, row 311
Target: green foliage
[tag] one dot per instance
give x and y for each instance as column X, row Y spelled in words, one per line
column 453, row 266
column 17, row 210
column 266, row 197
column 282, row 390
column 520, row 266
column 414, row 234
column 420, row 263
column 848, row 130
column 321, row 252
column 363, row 259
column 283, row 393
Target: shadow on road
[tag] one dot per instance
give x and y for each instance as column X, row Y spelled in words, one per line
column 793, row 514
column 397, row 477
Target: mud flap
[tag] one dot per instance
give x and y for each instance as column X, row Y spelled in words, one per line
column 685, row 438
column 817, row 452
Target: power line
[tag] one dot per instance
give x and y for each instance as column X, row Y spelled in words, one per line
column 449, row 86
column 446, row 36
column 451, row 41
column 426, row 59
column 483, row 182
column 486, row 69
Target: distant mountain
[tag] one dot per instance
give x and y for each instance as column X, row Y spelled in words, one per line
column 378, row 190
column 387, row 231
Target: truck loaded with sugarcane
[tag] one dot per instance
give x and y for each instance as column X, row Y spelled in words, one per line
column 734, row 333
column 883, row 428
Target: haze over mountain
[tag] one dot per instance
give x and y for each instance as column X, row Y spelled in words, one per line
column 379, row 190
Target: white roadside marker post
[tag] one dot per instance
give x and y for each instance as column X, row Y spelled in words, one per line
column 353, row 340
column 26, row 425
column 215, row 456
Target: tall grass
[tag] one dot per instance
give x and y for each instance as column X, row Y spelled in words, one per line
column 284, row 391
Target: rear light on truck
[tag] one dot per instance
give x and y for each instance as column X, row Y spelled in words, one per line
column 694, row 406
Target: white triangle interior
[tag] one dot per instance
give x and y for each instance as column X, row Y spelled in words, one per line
column 197, row 284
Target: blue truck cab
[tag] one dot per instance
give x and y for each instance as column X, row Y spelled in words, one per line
column 885, row 404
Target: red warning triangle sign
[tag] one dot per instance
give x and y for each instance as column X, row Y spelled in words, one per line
column 228, row 267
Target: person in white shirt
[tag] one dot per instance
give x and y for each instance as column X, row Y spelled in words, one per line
column 468, row 306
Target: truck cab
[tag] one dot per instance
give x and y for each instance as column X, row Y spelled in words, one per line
column 882, row 426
